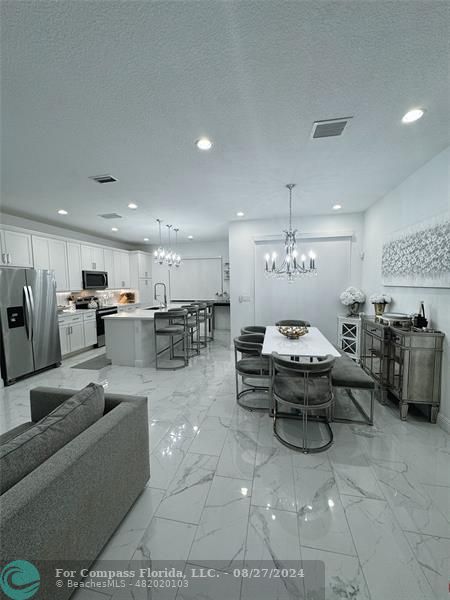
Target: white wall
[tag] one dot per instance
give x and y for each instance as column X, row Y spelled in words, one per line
column 242, row 236
column 423, row 195
column 201, row 250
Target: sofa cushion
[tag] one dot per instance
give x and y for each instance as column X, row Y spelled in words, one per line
column 346, row 373
column 12, row 433
column 26, row 451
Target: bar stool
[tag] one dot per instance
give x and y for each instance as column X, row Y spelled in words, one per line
column 293, row 323
column 202, row 310
column 172, row 324
column 305, row 388
column 249, row 329
column 193, row 325
column 210, row 319
column 250, row 367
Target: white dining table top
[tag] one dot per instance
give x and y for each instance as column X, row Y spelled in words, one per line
column 313, row 343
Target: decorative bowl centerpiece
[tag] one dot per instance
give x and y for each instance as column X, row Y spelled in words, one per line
column 293, row 332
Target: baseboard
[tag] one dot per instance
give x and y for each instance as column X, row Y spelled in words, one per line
column 443, row 422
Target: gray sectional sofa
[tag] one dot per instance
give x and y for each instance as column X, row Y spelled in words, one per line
column 67, row 508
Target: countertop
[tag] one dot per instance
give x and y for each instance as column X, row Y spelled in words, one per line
column 79, row 311
column 140, row 314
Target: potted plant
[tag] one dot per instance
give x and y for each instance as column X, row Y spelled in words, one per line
column 379, row 301
column 352, row 297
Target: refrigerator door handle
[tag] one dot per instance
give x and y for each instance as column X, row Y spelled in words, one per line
column 30, row 295
column 27, row 311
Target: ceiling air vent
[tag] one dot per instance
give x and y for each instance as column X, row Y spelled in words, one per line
column 110, row 216
column 329, row 127
column 103, row 178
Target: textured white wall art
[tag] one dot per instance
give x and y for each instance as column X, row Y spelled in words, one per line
column 419, row 256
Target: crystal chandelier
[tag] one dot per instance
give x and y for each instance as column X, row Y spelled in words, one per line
column 160, row 253
column 293, row 266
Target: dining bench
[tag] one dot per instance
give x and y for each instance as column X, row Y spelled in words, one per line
column 350, row 376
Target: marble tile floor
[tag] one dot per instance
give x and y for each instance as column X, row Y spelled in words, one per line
column 375, row 508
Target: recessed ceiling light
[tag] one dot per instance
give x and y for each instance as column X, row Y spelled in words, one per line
column 337, row 206
column 204, row 143
column 114, row 229
column 190, row 237
column 61, row 211
column 132, row 205
column 413, row 115
column 146, row 239
column 240, row 214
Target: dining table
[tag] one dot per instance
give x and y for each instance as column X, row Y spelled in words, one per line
column 312, row 344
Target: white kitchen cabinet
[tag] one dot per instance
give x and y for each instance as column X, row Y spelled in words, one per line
column 90, row 329
column 51, row 254
column 15, row 249
column 145, row 295
column 77, row 331
column 92, row 258
column 108, row 257
column 74, row 266
column 121, row 269
column 77, row 337
column 140, row 267
column 64, row 329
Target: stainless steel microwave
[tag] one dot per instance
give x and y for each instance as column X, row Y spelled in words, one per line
column 95, row 280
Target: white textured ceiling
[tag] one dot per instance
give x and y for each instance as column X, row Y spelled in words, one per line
column 126, row 87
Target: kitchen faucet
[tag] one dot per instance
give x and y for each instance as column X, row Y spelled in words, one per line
column 156, row 295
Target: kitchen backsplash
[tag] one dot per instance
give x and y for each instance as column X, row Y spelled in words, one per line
column 105, row 297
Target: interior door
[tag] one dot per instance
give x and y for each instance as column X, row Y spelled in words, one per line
column 45, row 337
column 314, row 299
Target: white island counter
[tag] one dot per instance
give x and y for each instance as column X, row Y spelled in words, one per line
column 129, row 337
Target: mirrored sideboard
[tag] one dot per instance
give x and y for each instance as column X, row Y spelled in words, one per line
column 405, row 362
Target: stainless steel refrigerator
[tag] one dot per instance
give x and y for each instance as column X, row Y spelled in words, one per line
column 28, row 322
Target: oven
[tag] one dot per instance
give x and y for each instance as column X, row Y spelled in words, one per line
column 100, row 313
column 95, row 280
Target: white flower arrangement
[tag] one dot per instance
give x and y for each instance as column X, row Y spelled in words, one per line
column 352, row 295
column 380, row 299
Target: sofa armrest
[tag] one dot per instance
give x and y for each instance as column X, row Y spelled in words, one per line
column 45, row 399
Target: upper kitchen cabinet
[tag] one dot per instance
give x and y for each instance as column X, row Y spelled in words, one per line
column 121, row 269
column 74, row 266
column 51, row 254
column 108, row 256
column 92, row 258
column 140, row 267
column 15, row 249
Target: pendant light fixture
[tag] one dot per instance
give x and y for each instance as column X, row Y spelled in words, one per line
column 160, row 253
column 293, row 267
column 177, row 257
column 169, row 253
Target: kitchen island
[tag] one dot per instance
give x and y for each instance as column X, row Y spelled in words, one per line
column 130, row 338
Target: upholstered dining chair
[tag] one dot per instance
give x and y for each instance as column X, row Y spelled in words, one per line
column 251, row 367
column 305, row 389
column 249, row 329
